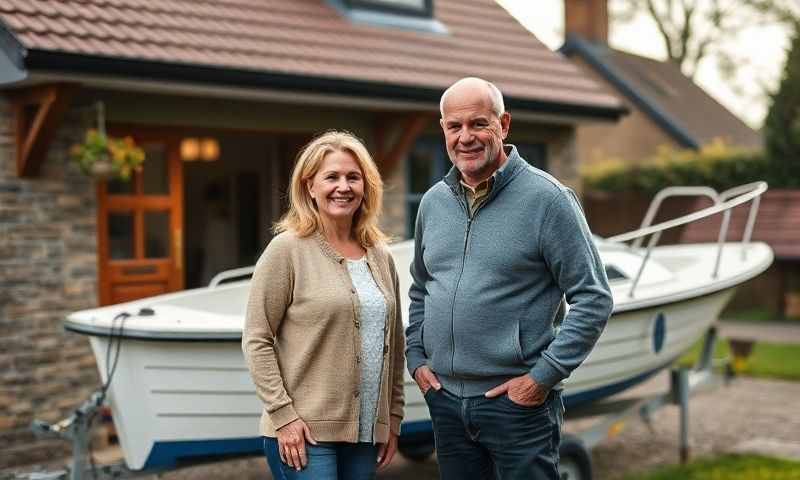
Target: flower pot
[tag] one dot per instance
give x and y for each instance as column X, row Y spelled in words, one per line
column 102, row 169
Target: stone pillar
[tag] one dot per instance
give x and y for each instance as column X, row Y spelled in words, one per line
column 393, row 221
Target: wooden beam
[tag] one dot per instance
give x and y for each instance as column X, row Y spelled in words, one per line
column 38, row 113
column 410, row 127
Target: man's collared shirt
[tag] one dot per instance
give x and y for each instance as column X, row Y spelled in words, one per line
column 477, row 195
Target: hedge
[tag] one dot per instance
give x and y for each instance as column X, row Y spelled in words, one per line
column 717, row 165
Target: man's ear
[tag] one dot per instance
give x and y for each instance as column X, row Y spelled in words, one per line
column 505, row 123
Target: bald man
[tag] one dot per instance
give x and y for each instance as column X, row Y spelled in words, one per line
column 499, row 245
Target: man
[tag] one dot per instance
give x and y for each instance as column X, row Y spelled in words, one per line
column 498, row 245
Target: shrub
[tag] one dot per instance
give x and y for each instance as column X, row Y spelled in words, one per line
column 717, row 165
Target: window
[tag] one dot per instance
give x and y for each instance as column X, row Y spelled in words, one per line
column 427, row 164
column 534, row 153
column 419, row 8
column 405, row 14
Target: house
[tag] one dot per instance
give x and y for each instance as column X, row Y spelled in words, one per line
column 221, row 95
column 667, row 108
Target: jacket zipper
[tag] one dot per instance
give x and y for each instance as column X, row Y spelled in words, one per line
column 467, row 228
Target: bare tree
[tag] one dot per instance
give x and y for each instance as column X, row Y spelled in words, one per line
column 694, row 29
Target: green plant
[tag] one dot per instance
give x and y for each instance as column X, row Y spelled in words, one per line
column 106, row 157
column 727, row 467
column 768, row 360
column 716, row 164
column 761, row 313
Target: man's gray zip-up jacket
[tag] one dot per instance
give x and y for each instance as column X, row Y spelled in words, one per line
column 487, row 290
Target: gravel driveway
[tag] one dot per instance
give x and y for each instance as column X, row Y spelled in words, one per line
column 722, row 420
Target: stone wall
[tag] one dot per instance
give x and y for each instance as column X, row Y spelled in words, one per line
column 393, row 220
column 563, row 159
column 48, row 268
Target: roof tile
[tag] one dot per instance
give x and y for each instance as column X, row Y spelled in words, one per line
column 309, row 37
column 684, row 101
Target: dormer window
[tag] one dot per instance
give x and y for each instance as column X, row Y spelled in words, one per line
column 406, row 14
column 416, row 8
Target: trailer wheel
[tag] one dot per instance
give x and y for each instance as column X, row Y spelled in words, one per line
column 417, row 446
column 416, row 452
column 575, row 463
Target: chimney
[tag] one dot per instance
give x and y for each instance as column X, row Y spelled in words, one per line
column 587, row 18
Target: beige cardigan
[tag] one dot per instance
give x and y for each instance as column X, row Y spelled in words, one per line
column 302, row 344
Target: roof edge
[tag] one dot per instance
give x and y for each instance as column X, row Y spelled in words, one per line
column 575, row 44
column 12, row 56
column 76, row 63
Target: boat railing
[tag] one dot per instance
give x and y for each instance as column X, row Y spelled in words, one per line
column 231, row 275
column 724, row 202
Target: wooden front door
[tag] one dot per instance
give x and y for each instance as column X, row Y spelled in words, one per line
column 140, row 227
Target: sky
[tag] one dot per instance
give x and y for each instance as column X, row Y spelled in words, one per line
column 762, row 50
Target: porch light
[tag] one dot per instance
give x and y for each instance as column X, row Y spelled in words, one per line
column 205, row 149
column 190, row 149
column 209, row 149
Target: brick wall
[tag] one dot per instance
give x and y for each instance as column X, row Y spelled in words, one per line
column 48, row 268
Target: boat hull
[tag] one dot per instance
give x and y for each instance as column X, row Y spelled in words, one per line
column 177, row 399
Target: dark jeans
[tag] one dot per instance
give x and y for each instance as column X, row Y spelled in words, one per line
column 326, row 461
column 495, row 438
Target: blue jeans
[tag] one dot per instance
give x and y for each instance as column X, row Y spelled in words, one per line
column 326, row 461
column 495, row 438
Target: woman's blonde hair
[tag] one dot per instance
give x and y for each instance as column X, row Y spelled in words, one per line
column 303, row 217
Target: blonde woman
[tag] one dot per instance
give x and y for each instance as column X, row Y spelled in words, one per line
column 323, row 335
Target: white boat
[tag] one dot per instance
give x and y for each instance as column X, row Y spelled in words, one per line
column 180, row 389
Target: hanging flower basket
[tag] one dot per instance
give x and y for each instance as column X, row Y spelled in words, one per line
column 105, row 157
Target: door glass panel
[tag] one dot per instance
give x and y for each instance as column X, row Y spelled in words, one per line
column 155, row 176
column 156, row 234
column 120, row 187
column 120, row 235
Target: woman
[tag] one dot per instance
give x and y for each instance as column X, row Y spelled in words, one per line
column 323, row 333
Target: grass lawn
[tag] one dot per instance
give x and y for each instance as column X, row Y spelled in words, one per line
column 754, row 314
column 768, row 360
column 728, row 467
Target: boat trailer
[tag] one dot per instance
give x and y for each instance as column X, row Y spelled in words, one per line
column 574, row 451
column 613, row 414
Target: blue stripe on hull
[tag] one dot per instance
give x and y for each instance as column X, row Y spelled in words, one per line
column 167, row 454
column 417, row 426
column 607, row 390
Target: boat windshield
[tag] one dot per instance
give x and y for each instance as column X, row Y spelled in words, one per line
column 614, row 274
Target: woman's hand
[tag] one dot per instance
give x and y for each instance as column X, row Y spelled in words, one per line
column 386, row 451
column 292, row 439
